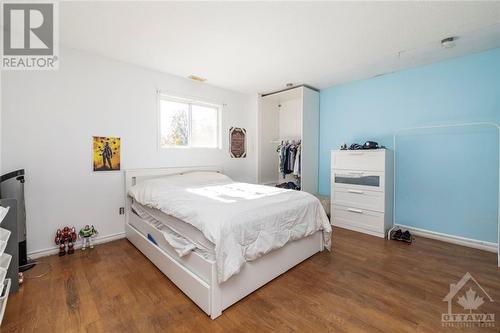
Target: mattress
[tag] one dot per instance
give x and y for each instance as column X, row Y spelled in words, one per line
column 183, row 237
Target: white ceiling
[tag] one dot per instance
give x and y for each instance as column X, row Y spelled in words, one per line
column 260, row 46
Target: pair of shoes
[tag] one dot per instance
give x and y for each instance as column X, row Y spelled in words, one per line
column 401, row 236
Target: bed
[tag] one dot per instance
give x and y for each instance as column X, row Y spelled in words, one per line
column 216, row 239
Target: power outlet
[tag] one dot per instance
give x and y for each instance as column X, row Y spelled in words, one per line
column 122, row 210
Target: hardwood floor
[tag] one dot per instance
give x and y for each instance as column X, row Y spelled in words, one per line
column 365, row 285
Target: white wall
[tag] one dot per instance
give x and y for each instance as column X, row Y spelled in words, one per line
column 50, row 117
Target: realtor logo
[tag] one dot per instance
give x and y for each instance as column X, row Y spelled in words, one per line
column 30, row 36
column 469, row 294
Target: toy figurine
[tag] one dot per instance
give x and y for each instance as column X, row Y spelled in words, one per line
column 66, row 238
column 86, row 234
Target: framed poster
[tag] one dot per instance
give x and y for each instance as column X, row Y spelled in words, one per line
column 237, row 142
column 106, row 153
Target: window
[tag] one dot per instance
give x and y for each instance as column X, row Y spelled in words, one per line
column 186, row 123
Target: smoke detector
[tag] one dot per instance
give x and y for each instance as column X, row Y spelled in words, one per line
column 197, row 78
column 289, row 85
column 448, row 42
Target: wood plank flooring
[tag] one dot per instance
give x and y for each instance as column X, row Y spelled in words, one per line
column 365, row 285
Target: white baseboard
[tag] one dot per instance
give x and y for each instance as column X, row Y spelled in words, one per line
column 474, row 243
column 54, row 250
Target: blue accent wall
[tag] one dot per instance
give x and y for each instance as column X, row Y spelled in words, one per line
column 460, row 90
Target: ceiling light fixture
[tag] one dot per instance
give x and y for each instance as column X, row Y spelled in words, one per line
column 197, row 78
column 448, row 42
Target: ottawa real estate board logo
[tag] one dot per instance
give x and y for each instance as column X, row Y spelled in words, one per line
column 470, row 296
column 30, row 36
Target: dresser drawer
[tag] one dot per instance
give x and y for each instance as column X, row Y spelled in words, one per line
column 347, row 196
column 364, row 219
column 359, row 160
column 358, row 180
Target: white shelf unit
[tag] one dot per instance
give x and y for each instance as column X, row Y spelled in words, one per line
column 362, row 190
column 4, row 266
column 292, row 114
column 5, row 260
column 4, row 296
column 4, row 238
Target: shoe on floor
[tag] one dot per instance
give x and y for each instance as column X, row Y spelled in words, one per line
column 396, row 235
column 406, row 237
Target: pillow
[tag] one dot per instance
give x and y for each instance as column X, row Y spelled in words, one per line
column 144, row 191
column 199, row 178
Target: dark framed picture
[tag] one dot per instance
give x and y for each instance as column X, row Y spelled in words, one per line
column 237, row 142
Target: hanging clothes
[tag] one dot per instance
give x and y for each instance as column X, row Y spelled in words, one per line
column 289, row 158
column 283, row 158
column 292, row 150
column 296, row 164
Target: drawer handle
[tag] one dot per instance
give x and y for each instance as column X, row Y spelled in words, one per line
column 356, row 191
column 353, row 210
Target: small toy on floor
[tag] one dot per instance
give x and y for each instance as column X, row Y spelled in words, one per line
column 401, row 236
column 65, row 238
column 86, row 234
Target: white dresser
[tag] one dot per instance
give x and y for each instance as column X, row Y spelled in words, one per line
column 362, row 190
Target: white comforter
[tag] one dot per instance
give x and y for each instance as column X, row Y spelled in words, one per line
column 244, row 221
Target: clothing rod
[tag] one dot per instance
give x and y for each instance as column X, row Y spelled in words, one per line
column 285, row 139
column 286, row 89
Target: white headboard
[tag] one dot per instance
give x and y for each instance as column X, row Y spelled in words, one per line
column 134, row 176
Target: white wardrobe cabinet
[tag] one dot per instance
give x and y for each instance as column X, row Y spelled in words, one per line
column 289, row 115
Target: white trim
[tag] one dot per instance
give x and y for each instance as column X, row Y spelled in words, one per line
column 473, row 243
column 54, row 250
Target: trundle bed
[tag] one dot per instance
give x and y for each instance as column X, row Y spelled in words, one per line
column 196, row 272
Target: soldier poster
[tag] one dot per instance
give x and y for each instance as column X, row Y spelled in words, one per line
column 106, row 153
column 237, row 142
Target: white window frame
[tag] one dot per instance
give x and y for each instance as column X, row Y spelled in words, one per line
column 190, row 102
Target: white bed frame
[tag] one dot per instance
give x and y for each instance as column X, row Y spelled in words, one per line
column 197, row 276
